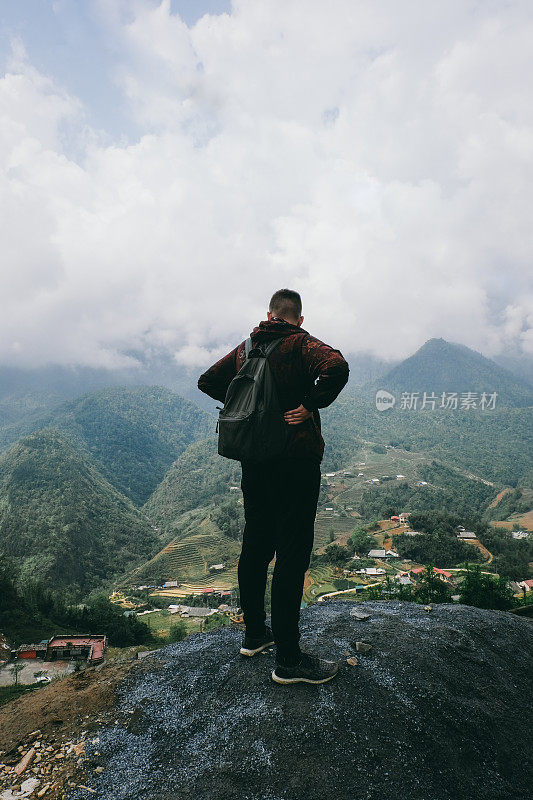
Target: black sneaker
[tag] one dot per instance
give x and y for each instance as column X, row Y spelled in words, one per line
column 310, row 669
column 252, row 645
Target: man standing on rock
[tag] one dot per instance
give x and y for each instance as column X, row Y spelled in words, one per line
column 281, row 495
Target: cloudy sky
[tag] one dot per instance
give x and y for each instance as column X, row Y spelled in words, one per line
column 166, row 166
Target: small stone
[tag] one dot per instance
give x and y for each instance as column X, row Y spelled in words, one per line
column 428, row 608
column 28, row 786
column 363, row 647
column 99, row 769
column 360, row 615
column 25, row 762
column 352, row 661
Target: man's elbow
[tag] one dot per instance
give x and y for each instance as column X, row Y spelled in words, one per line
column 204, row 384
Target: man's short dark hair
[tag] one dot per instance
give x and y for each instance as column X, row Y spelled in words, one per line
column 286, row 303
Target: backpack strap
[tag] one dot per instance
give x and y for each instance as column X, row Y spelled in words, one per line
column 272, row 346
column 267, row 350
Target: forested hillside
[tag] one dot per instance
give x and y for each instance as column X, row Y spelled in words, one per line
column 132, row 434
column 495, row 444
column 198, row 477
column 62, row 521
column 441, row 366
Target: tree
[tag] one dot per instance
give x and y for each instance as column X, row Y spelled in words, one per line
column 177, row 632
column 484, row 591
column 431, row 588
column 14, row 670
column 360, row 541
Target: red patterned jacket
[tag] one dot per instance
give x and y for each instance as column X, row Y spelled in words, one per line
column 307, row 372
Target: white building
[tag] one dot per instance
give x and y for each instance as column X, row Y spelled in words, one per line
column 371, row 571
column 466, row 535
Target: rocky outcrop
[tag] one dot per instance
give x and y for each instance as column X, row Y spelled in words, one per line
column 437, row 709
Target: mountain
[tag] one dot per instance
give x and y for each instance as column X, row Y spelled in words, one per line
column 495, row 445
column 197, row 478
column 440, row 366
column 62, row 521
column 132, row 434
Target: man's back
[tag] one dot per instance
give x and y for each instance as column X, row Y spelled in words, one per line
column 307, row 372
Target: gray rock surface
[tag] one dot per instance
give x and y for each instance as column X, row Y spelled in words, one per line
column 438, row 709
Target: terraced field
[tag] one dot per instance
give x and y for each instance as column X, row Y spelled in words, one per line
column 318, row 580
column 184, row 557
column 326, row 524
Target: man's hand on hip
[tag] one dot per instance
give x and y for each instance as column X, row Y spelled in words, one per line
column 297, row 415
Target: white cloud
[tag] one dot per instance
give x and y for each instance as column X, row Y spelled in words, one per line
column 375, row 156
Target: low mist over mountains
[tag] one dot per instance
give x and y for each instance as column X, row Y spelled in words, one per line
column 23, row 391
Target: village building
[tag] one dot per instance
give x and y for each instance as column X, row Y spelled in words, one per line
column 466, row 535
column 192, row 611
column 404, row 580
column 216, row 567
column 370, row 571
column 404, row 516
column 90, row 648
column 520, row 534
column 381, row 553
column 443, row 574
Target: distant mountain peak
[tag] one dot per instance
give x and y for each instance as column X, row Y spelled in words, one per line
column 439, row 365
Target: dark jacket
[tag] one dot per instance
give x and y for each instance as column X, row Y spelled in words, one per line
column 307, row 372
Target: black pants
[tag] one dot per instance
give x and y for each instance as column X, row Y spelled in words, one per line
column 280, row 501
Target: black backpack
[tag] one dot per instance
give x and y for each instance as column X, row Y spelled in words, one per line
column 251, row 426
